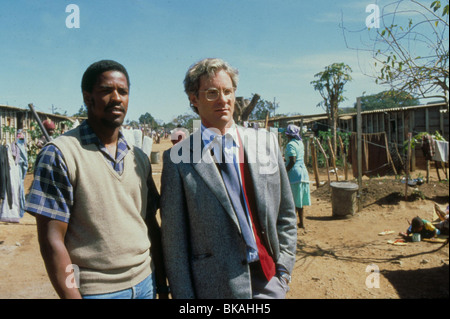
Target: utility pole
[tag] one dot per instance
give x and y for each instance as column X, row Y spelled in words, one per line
column 359, row 148
column 274, row 107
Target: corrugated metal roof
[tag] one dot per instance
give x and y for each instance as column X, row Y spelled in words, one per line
column 403, row 108
column 18, row 109
column 347, row 116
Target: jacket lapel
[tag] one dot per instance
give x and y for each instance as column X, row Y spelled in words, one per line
column 208, row 171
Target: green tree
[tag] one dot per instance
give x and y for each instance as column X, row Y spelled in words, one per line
column 330, row 84
column 426, row 76
column 186, row 120
column 82, row 112
column 133, row 123
column 261, row 109
column 411, row 49
column 386, row 100
column 148, row 119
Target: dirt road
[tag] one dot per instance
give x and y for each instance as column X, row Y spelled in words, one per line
column 336, row 258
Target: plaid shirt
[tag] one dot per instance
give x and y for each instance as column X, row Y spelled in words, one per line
column 51, row 194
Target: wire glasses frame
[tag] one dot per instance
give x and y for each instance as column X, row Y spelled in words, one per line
column 213, row 94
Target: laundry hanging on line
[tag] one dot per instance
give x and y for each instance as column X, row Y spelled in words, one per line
column 13, row 168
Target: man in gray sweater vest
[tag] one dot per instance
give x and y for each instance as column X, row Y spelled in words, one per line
column 95, row 201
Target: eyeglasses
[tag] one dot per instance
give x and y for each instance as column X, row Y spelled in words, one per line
column 213, row 93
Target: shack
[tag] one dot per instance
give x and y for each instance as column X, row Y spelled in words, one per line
column 13, row 118
column 395, row 122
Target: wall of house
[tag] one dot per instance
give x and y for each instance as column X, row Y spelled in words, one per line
column 396, row 122
column 13, row 119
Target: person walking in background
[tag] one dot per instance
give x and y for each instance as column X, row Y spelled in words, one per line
column 297, row 172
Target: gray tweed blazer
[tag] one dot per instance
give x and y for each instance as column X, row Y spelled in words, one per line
column 204, row 252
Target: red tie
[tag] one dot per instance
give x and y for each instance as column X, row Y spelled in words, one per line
column 267, row 263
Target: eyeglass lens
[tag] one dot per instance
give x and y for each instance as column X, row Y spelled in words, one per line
column 213, row 94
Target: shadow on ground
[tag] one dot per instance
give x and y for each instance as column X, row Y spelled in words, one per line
column 420, row 283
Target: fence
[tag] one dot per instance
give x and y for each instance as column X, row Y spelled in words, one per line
column 379, row 157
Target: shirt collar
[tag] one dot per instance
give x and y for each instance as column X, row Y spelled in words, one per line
column 209, row 135
column 88, row 136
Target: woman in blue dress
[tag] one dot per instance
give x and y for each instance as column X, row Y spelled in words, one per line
column 297, row 172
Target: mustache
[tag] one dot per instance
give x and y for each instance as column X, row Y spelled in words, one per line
column 114, row 105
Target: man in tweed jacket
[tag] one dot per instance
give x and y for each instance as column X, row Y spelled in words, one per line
column 206, row 252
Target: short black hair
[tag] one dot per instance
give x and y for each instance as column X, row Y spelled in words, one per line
column 416, row 223
column 95, row 69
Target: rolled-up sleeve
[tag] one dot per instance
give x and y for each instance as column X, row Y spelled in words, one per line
column 51, row 192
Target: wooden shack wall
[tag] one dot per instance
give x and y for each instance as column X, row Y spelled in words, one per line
column 17, row 118
column 398, row 123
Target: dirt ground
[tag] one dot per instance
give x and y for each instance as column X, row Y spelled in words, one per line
column 336, row 258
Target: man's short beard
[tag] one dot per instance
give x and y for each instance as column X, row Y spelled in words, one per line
column 111, row 124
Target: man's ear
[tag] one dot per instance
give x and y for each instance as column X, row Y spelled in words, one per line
column 87, row 98
column 193, row 99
